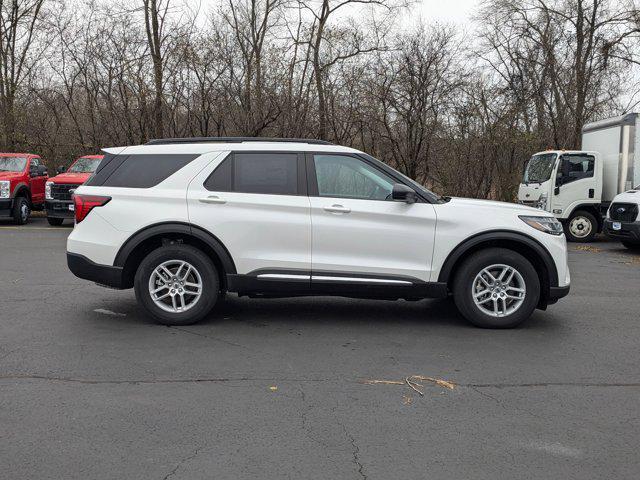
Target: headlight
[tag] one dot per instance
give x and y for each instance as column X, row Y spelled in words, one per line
column 47, row 190
column 542, row 202
column 5, row 189
column 544, row 224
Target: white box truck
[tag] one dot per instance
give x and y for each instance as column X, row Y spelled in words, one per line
column 577, row 186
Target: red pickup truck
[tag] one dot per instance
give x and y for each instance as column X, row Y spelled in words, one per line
column 59, row 189
column 22, row 180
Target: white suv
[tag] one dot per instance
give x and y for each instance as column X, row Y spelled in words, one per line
column 183, row 221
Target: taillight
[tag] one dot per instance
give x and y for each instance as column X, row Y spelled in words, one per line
column 83, row 204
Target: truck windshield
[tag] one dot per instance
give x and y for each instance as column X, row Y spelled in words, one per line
column 85, row 165
column 12, row 164
column 539, row 168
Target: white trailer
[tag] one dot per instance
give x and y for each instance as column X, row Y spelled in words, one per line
column 577, row 186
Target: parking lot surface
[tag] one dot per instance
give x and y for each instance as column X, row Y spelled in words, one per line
column 91, row 388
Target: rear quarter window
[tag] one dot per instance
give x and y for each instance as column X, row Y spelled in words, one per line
column 137, row 171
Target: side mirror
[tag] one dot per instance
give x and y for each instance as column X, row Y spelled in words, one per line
column 41, row 170
column 556, row 190
column 402, row 193
column 61, row 169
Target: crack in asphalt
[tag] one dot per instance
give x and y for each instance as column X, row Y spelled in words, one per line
column 180, row 463
column 197, row 334
column 355, row 452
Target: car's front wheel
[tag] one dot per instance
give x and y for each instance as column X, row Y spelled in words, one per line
column 21, row 211
column 496, row 288
column 177, row 284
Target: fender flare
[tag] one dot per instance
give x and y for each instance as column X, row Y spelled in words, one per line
column 172, row 228
column 19, row 188
column 458, row 252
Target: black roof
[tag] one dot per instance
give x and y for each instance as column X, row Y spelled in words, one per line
column 168, row 141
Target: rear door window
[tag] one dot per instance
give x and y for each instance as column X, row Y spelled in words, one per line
column 138, row 171
column 266, row 173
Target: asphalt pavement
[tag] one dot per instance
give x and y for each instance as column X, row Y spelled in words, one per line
column 90, row 388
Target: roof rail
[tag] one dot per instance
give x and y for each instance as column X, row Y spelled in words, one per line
column 168, row 141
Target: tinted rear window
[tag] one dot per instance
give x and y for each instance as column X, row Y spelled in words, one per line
column 267, row 173
column 137, row 171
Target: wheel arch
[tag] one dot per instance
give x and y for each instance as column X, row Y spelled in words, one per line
column 22, row 190
column 140, row 243
column 530, row 248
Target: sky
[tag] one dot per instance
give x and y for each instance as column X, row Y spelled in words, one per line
column 450, row 11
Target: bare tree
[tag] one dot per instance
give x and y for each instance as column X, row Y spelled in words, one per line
column 18, row 24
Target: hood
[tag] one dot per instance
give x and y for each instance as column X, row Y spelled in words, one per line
column 532, row 191
column 11, row 175
column 491, row 204
column 74, row 178
column 630, row 196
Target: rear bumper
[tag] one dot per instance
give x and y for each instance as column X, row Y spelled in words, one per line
column 84, row 268
column 628, row 231
column 6, row 207
column 58, row 209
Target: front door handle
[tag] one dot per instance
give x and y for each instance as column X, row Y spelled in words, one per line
column 337, row 209
column 213, row 199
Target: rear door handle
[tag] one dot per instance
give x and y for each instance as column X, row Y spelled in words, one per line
column 337, row 209
column 213, row 199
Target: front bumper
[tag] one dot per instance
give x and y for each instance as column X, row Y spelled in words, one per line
column 628, row 231
column 6, row 207
column 105, row 275
column 59, row 209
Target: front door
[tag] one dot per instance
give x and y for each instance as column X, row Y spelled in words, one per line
column 37, row 182
column 575, row 183
column 256, row 204
column 359, row 233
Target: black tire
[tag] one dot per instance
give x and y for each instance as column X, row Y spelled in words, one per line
column 21, row 210
column 55, row 222
column 634, row 246
column 201, row 262
column 463, row 287
column 584, row 221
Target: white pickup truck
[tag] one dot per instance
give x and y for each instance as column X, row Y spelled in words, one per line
column 579, row 186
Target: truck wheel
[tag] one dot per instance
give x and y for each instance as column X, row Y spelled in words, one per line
column 55, row 222
column 177, row 284
column 631, row 245
column 581, row 227
column 496, row 288
column 21, row 211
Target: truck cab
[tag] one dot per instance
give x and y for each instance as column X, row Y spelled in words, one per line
column 578, row 186
column 22, row 183
column 60, row 188
column 567, row 183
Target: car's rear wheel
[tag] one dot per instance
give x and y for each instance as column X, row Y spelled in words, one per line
column 496, row 288
column 21, row 210
column 177, row 284
column 56, row 222
column 581, row 227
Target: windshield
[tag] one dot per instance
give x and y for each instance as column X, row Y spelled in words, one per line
column 12, row 164
column 539, row 168
column 85, row 165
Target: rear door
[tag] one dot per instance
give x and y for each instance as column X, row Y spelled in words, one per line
column 359, row 233
column 256, row 204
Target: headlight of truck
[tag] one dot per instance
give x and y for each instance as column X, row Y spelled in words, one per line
column 47, row 190
column 5, row 189
column 542, row 202
column 544, row 224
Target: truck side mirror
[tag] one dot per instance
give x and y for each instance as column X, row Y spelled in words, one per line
column 61, row 169
column 556, row 190
column 41, row 170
